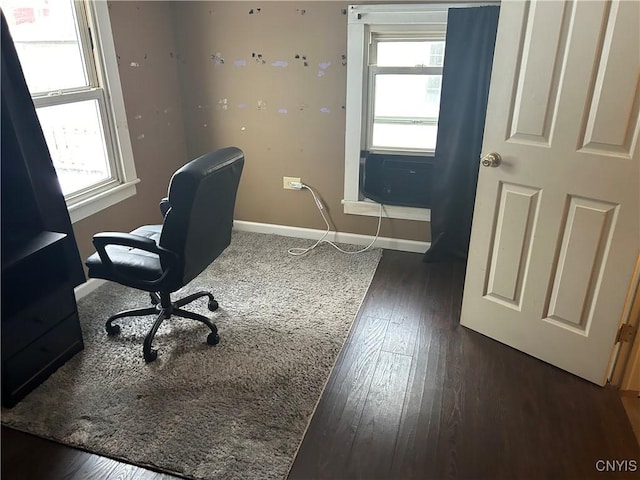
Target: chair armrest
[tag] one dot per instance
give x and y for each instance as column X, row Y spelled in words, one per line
column 165, row 206
column 125, row 240
column 103, row 239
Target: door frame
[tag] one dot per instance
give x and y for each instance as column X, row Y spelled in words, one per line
column 621, row 363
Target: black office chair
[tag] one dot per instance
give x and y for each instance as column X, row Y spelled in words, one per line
column 160, row 259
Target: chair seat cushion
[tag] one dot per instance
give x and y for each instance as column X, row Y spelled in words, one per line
column 131, row 263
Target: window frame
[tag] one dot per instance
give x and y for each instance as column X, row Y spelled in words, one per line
column 100, row 61
column 363, row 23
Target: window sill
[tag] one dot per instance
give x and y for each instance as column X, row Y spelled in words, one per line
column 372, row 209
column 90, row 206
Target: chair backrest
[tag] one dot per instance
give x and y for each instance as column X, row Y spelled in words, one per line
column 202, row 195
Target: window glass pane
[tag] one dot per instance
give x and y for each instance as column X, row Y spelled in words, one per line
column 406, row 109
column 74, row 135
column 405, row 136
column 47, row 42
column 436, row 54
column 410, row 53
column 407, row 95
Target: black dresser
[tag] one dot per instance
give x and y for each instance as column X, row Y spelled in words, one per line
column 40, row 327
column 40, row 260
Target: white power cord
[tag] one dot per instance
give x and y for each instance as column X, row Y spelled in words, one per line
column 296, row 251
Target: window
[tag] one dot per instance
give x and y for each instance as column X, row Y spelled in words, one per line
column 68, row 60
column 395, row 57
column 405, row 78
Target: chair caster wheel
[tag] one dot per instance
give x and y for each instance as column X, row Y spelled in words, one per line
column 151, row 356
column 213, row 339
column 213, row 305
column 112, row 329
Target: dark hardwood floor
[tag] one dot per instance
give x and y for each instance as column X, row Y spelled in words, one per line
column 414, row 395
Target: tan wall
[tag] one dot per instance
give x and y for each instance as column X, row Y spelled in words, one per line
column 170, row 125
column 143, row 34
column 232, row 97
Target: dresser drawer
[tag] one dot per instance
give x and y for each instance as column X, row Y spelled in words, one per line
column 24, row 326
column 28, row 368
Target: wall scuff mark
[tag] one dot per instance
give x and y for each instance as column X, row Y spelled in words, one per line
column 217, row 58
column 262, row 105
column 134, row 64
column 303, row 58
column 258, row 58
column 323, row 68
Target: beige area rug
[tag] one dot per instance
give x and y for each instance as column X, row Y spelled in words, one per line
column 237, row 410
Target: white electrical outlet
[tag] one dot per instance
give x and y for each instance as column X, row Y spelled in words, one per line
column 288, row 181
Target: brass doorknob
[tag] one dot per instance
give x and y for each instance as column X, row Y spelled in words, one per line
column 491, row 160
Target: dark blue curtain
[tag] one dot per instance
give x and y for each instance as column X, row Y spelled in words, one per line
column 32, row 200
column 471, row 36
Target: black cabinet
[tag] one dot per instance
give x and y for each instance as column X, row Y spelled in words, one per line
column 40, row 326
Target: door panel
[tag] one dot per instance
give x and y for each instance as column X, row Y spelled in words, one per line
column 556, row 225
column 582, row 254
column 611, row 119
column 538, row 75
column 511, row 244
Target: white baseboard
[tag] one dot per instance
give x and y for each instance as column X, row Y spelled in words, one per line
column 87, row 287
column 314, row 234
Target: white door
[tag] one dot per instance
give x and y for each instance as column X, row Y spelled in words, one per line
column 556, row 224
